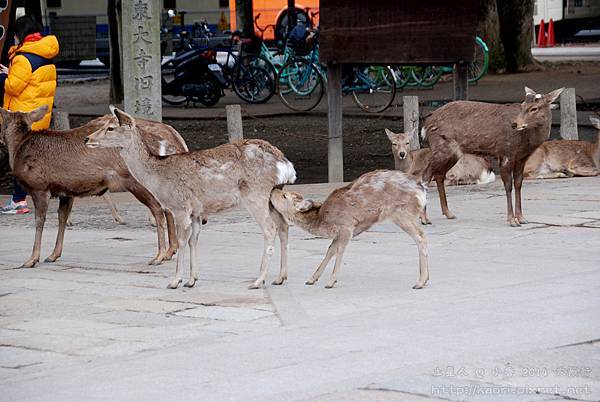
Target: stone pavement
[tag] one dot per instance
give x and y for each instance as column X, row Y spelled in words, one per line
column 510, row 314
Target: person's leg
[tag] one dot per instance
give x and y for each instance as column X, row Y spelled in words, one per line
column 19, row 193
column 18, row 203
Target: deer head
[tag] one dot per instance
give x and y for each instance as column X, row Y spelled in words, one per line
column 113, row 135
column 19, row 122
column 290, row 203
column 400, row 143
column 535, row 109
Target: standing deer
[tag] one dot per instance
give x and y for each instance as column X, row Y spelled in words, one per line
column 58, row 164
column 211, row 181
column 348, row 211
column 565, row 158
column 511, row 133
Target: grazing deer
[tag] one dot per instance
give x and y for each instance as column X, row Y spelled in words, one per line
column 211, row 181
column 565, row 158
column 469, row 169
column 57, row 163
column 510, row 133
column 350, row 210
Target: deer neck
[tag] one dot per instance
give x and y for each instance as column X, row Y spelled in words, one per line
column 139, row 161
column 13, row 143
column 312, row 222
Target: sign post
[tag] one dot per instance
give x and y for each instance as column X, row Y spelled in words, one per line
column 142, row 58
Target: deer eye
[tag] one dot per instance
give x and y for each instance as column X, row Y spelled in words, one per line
column 408, row 143
column 395, row 144
column 533, row 110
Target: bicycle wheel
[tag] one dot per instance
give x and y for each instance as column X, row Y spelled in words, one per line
column 402, row 74
column 259, row 61
column 300, row 85
column 374, row 88
column 168, row 75
column 252, row 84
column 478, row 68
column 426, row 76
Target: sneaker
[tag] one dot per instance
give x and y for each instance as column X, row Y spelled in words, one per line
column 15, row 208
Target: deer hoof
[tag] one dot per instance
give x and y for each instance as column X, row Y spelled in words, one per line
column 279, row 281
column 190, row 283
column 419, row 286
column 157, row 260
column 51, row 258
column 522, row 220
column 310, row 282
column 450, row 215
column 330, row 285
column 30, row 264
column 256, row 285
column 174, row 284
column 425, row 222
column 514, row 223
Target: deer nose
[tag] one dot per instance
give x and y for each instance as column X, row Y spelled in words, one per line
column 86, row 140
column 514, row 125
column 402, row 154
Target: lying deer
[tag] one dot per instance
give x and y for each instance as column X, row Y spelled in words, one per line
column 57, row 163
column 469, row 169
column 200, row 183
column 565, row 158
column 348, row 211
column 510, row 133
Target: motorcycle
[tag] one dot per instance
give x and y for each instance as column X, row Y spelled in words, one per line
column 193, row 76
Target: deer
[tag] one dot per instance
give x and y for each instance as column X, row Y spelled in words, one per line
column 157, row 135
column 51, row 163
column 511, row 133
column 470, row 169
column 348, row 211
column 205, row 182
column 565, row 158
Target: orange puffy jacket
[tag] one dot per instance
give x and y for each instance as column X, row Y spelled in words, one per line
column 31, row 79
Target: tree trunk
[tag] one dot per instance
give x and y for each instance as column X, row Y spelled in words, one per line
column 488, row 28
column 245, row 22
column 116, row 72
column 516, row 25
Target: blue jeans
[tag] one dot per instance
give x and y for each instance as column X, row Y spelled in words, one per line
column 19, row 193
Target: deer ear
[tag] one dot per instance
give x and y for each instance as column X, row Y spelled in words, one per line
column 530, row 92
column 37, row 114
column 123, row 118
column 595, row 122
column 304, row 205
column 552, row 96
column 390, row 134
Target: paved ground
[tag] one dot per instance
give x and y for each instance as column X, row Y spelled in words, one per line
column 509, row 315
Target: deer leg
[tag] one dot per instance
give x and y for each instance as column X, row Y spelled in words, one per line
column 439, row 181
column 184, row 232
column 193, row 243
column 507, row 179
column 407, row 223
column 172, row 235
column 148, row 200
column 344, row 237
column 283, row 233
column 259, row 209
column 518, row 182
column 113, row 209
column 40, row 202
column 64, row 210
column 328, row 255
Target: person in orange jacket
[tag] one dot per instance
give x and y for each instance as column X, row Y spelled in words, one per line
column 29, row 82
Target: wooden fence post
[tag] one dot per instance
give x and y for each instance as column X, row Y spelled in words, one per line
column 335, row 158
column 460, row 81
column 568, row 115
column 234, row 122
column 60, row 120
column 410, row 106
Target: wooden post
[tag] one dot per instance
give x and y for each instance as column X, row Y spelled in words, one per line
column 461, row 81
column 60, row 120
column 141, row 58
column 234, row 122
column 410, row 105
column 335, row 157
column 568, row 115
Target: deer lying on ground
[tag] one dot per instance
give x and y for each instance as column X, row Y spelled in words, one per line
column 348, row 211
column 156, row 136
column 200, row 183
column 57, row 163
column 565, row 158
column 469, row 169
column 510, row 133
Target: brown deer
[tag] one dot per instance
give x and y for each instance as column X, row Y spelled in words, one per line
column 58, row 164
column 565, row 158
column 211, row 181
column 511, row 133
column 348, row 211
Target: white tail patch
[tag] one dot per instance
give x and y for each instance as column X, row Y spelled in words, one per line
column 162, row 148
column 286, row 174
column 423, row 133
column 486, row 177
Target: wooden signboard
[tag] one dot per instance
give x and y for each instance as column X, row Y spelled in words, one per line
column 397, row 32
